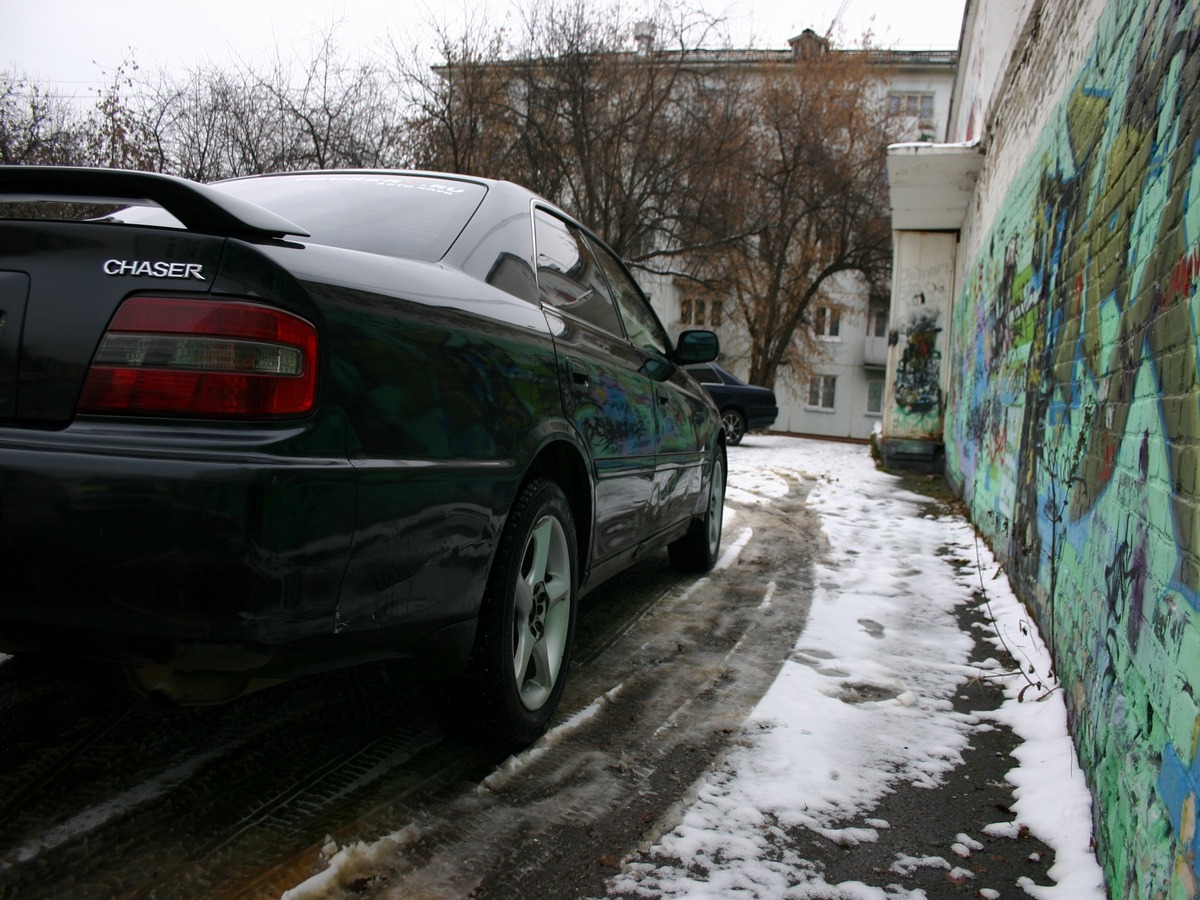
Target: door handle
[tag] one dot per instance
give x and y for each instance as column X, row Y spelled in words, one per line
column 579, row 375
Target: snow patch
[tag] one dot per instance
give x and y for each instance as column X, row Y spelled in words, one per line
column 906, row 865
column 354, row 862
column 118, row 806
column 881, row 657
column 730, row 554
column 766, row 600
column 520, row 762
column 889, row 682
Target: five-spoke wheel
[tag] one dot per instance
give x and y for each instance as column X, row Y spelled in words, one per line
column 526, row 626
column 542, row 619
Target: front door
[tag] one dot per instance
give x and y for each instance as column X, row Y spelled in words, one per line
column 607, row 395
column 679, row 403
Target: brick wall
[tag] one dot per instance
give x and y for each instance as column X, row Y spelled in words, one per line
column 1073, row 409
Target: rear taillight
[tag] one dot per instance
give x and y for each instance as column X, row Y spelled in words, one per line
column 203, row 358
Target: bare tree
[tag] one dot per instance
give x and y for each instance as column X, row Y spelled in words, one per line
column 223, row 122
column 611, row 118
column 337, row 114
column 758, row 180
column 35, row 126
column 459, row 118
column 812, row 200
column 115, row 132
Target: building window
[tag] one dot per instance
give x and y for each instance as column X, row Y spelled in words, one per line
column 877, row 321
column 701, row 312
column 917, row 106
column 827, row 322
column 875, row 397
column 821, row 391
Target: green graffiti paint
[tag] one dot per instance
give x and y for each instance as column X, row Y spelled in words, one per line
column 1074, row 426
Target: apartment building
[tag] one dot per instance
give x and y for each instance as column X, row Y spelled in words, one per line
column 842, row 393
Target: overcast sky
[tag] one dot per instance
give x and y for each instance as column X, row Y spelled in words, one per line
column 72, row 42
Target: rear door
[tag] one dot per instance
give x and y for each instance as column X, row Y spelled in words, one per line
column 608, row 396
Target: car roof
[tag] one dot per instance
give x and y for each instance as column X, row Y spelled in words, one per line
column 508, row 189
column 500, row 192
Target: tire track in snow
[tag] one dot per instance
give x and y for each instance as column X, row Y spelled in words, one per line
column 676, row 677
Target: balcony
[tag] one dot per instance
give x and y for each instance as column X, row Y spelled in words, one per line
column 875, row 351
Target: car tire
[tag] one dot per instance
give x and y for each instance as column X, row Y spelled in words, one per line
column 527, row 623
column 697, row 550
column 735, row 426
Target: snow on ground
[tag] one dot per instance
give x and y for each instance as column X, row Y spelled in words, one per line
column 864, row 702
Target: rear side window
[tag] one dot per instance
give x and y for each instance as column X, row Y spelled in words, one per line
column 568, row 276
column 395, row 215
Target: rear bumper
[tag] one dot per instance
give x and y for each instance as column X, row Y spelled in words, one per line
column 761, row 418
column 183, row 552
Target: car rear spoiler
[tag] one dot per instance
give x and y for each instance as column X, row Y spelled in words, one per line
column 197, row 206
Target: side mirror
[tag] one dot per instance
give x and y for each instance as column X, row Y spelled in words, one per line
column 697, row 347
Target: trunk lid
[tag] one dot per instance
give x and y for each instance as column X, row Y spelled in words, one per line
column 61, row 283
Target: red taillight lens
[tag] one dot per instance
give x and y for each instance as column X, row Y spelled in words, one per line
column 203, row 358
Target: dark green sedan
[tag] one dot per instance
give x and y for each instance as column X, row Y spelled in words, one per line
column 276, row 425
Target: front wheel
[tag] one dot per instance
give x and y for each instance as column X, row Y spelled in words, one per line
column 697, row 550
column 527, row 623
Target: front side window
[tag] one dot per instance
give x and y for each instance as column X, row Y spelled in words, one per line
column 641, row 325
column 821, row 390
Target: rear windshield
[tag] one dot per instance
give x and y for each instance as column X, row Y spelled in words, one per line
column 413, row 216
column 396, row 215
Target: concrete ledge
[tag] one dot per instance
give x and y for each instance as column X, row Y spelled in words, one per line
column 907, row 455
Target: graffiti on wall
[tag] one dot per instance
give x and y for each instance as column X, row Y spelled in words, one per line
column 1074, row 420
column 921, row 304
column 918, row 376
